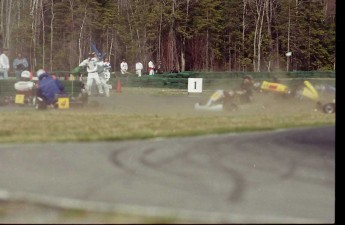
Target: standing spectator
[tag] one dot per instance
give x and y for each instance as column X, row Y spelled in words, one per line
column 92, row 74
column 151, row 68
column 138, row 68
column 159, row 68
column 4, row 64
column 20, row 64
column 124, row 66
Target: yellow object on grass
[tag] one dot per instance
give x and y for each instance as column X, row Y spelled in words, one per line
column 19, row 99
column 63, row 103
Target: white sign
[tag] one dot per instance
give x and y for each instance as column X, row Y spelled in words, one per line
column 195, row 85
column 288, row 54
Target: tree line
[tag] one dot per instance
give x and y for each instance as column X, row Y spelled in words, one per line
column 199, row 35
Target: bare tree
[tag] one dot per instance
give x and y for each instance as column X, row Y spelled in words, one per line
column 51, row 34
column 81, row 34
column 244, row 12
column 259, row 18
column 34, row 14
column 6, row 17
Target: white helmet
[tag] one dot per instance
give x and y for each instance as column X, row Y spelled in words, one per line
column 25, row 74
column 40, row 72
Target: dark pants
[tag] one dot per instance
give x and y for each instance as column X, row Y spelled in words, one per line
column 18, row 73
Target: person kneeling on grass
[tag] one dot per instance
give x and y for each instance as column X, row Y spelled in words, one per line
column 48, row 90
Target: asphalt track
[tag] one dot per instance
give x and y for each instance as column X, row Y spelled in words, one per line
column 283, row 176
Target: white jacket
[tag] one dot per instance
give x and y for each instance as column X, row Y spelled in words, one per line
column 138, row 66
column 4, row 61
column 151, row 65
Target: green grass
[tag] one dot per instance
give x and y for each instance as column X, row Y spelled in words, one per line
column 106, row 122
column 63, row 126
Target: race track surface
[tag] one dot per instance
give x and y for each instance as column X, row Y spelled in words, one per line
column 284, row 176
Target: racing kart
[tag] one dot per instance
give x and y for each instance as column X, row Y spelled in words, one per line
column 303, row 89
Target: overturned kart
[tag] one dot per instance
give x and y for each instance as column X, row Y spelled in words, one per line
column 304, row 89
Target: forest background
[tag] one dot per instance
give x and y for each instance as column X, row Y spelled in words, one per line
column 193, row 35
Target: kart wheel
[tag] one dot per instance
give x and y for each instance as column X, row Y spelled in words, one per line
column 329, row 108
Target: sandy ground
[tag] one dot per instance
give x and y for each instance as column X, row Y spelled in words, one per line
column 179, row 102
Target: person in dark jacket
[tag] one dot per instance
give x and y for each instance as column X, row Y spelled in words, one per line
column 49, row 88
column 246, row 88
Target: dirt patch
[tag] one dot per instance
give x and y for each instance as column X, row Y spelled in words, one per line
column 155, row 101
column 180, row 102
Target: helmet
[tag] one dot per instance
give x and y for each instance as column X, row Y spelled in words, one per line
column 25, row 74
column 257, row 84
column 249, row 77
column 40, row 72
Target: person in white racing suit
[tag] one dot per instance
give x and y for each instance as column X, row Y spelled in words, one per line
column 107, row 68
column 103, row 69
column 138, row 68
column 92, row 73
column 151, row 68
column 124, row 67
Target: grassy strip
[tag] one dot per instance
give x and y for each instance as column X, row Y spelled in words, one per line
column 62, row 126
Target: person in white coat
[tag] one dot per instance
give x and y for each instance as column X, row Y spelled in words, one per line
column 138, row 68
column 4, row 65
column 92, row 73
column 151, row 68
column 124, row 66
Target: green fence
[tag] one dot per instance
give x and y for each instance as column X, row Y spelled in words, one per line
column 218, row 80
